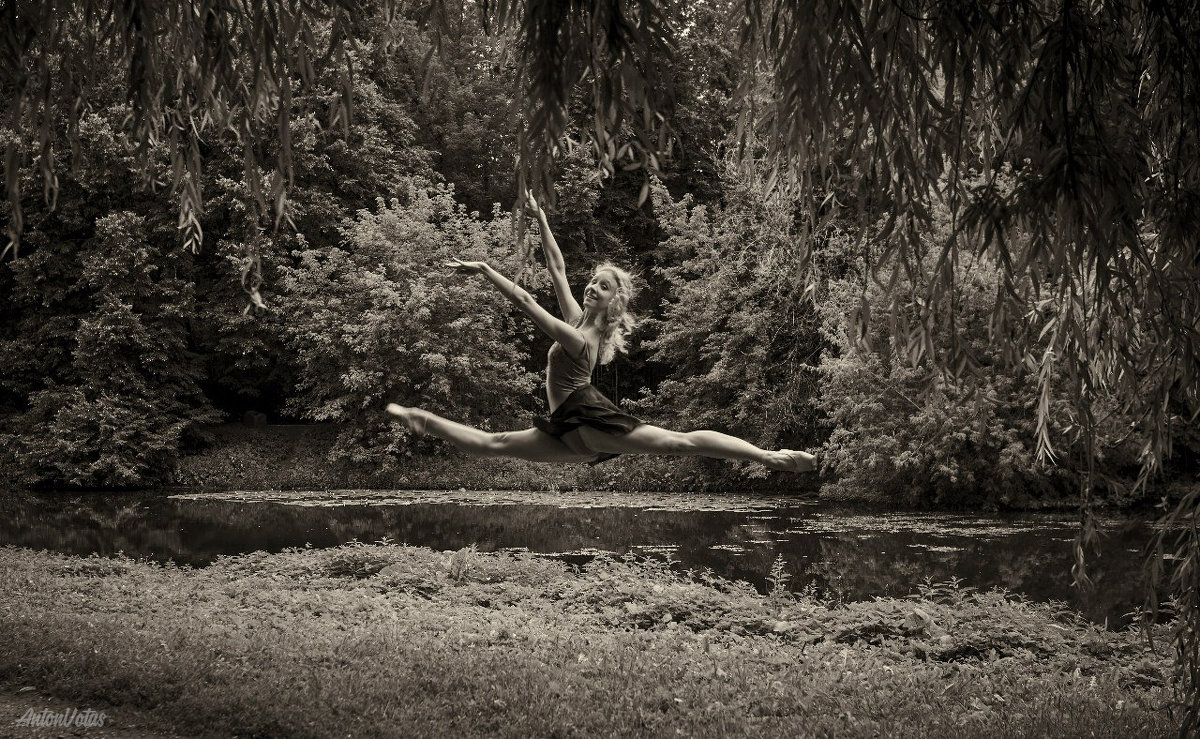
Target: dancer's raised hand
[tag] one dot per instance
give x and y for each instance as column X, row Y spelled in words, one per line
column 533, row 205
column 470, row 268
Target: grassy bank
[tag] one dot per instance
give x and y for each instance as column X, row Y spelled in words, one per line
column 388, row 640
column 297, row 458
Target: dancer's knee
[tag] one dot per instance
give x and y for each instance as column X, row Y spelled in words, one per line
column 481, row 443
column 687, row 443
column 493, row 444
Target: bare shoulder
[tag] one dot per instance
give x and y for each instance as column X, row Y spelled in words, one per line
column 591, row 335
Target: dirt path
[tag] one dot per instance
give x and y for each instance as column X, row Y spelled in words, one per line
column 120, row 722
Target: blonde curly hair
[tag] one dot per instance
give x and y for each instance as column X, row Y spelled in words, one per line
column 617, row 321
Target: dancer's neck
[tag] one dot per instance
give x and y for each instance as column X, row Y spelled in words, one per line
column 590, row 320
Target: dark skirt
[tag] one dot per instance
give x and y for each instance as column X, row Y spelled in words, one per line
column 587, row 406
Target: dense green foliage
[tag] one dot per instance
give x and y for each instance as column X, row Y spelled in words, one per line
column 903, row 426
column 381, row 319
column 737, row 335
column 71, row 418
column 110, row 388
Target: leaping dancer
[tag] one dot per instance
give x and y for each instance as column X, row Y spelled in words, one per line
column 584, row 426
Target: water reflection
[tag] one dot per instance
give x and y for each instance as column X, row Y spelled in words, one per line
column 849, row 555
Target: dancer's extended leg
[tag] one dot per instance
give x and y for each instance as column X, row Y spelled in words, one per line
column 531, row 444
column 647, row 439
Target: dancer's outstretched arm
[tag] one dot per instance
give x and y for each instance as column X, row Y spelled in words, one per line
column 562, row 332
column 557, row 266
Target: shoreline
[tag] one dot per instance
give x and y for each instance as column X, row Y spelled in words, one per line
column 294, row 457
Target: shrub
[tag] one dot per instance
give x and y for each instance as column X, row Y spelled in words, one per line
column 117, row 413
column 381, row 319
column 738, row 338
column 907, row 431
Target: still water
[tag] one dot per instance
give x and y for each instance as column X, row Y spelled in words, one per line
column 846, row 554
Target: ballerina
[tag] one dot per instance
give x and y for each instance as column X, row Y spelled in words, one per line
column 584, row 426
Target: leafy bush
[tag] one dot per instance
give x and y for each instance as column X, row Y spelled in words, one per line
column 906, row 432
column 738, row 338
column 116, row 413
column 380, row 319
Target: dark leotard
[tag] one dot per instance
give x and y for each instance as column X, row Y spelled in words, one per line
column 576, row 402
column 566, row 374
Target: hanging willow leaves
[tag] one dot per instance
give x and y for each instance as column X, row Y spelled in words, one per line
column 1094, row 108
column 192, row 70
column 229, row 66
column 613, row 49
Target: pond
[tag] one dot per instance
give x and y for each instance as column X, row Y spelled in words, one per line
column 845, row 554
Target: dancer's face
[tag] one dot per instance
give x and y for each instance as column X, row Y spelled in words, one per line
column 600, row 291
